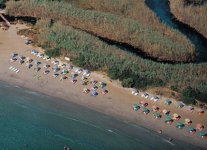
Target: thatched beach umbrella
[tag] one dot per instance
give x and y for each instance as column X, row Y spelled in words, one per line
column 136, row 107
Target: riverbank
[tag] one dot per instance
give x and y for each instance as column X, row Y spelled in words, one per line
column 117, row 103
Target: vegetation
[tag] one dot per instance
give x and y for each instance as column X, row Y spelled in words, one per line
column 192, row 12
column 90, row 52
column 156, row 44
column 2, row 3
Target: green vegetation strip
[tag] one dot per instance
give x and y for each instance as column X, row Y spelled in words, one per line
column 89, row 52
column 121, row 29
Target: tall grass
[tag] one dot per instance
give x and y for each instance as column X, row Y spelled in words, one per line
column 154, row 43
column 89, row 52
column 192, row 13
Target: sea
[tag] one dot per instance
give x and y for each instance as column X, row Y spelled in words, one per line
column 34, row 121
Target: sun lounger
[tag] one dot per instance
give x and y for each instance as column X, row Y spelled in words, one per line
column 10, row 67
column 17, row 71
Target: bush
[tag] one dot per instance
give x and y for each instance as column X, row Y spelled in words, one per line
column 189, row 96
column 129, row 82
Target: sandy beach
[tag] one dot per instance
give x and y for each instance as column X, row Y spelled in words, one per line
column 117, row 103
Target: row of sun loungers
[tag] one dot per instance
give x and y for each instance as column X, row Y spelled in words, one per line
column 14, row 69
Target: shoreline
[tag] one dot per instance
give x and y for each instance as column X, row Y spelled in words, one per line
column 117, row 103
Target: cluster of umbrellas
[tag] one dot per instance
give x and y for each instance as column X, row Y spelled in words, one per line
column 66, row 68
column 170, row 119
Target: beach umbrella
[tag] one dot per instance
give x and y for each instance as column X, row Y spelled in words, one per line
column 155, row 108
column 187, row 121
column 86, row 73
column 180, row 104
column 202, row 134
column 46, row 66
column 200, row 111
column 74, row 80
column 94, row 93
column 180, row 125
column 14, row 54
column 55, row 75
column 176, row 116
column 157, row 115
column 104, row 91
column 136, row 107
column 191, row 130
column 135, row 91
column 166, row 112
column 86, row 90
column 143, row 103
column 190, row 108
column 199, row 127
column 145, row 110
column 68, row 66
column 21, row 57
column 168, row 120
column 64, row 71
column 74, row 75
column 83, row 78
column 36, row 62
column 21, row 61
column 93, row 81
column 46, row 71
column 168, row 102
column 102, row 84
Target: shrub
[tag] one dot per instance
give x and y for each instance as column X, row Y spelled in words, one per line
column 129, row 82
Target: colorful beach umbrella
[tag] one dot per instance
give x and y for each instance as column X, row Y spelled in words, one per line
column 157, row 115
column 199, row 126
column 180, row 125
column 136, row 107
column 192, row 130
column 168, row 120
column 202, row 134
column 145, row 110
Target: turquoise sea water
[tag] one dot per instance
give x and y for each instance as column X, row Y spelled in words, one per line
column 33, row 121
